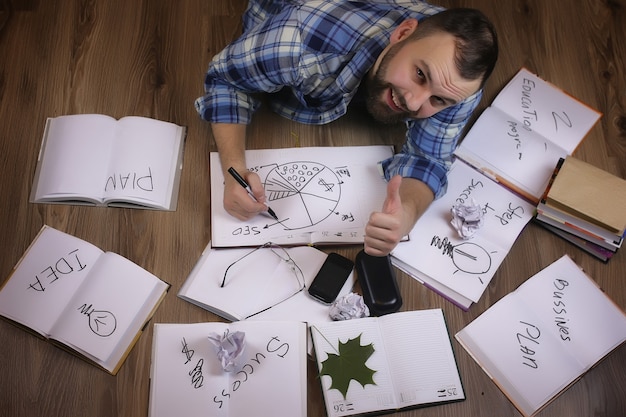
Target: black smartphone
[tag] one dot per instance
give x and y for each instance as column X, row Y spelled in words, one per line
column 331, row 278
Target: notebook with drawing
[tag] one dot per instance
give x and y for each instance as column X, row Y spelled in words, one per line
column 461, row 269
column 187, row 378
column 94, row 304
column 320, row 195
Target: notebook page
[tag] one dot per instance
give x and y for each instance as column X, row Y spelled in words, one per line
column 255, row 280
column 317, row 193
column 465, row 266
column 75, row 156
column 181, row 370
column 574, row 311
column 186, row 374
column 277, row 385
column 500, row 144
column 511, row 344
column 144, row 159
column 99, row 317
column 46, row 278
column 547, row 110
column 421, row 359
column 359, row 399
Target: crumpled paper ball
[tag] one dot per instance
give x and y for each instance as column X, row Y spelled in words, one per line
column 467, row 218
column 350, row 306
column 229, row 348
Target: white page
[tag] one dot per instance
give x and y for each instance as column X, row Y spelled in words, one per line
column 519, row 342
column 256, row 280
column 528, row 364
column 575, row 311
column 329, row 192
column 359, row 399
column 144, row 159
column 186, row 374
column 76, row 156
column 47, row 276
column 420, row 357
column 98, row 317
column 203, row 286
column 547, row 110
column 512, row 153
column 465, row 266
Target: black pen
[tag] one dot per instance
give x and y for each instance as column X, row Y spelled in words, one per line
column 246, row 186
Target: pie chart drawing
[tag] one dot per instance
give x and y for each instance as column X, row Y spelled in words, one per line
column 302, row 193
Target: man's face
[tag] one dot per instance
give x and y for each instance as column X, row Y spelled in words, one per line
column 416, row 79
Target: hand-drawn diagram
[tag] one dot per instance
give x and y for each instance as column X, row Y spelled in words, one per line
column 468, row 257
column 103, row 323
column 308, row 191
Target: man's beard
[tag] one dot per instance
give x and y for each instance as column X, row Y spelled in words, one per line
column 376, row 86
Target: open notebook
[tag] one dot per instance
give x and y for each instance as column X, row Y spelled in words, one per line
column 94, row 159
column 320, row 195
column 542, row 337
column 270, row 380
column 461, row 269
column 519, row 139
column 93, row 303
column 387, row 363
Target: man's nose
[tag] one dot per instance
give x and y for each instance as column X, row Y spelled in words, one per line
column 415, row 98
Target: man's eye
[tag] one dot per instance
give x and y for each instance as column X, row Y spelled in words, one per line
column 438, row 101
column 420, row 74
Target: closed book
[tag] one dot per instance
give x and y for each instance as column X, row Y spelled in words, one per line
column 590, row 193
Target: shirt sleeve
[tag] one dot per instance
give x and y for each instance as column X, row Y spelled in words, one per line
column 262, row 61
column 430, row 143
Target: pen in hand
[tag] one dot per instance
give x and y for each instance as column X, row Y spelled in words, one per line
column 246, row 186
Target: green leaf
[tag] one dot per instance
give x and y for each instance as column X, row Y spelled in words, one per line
column 349, row 365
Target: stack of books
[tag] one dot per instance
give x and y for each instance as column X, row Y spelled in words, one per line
column 586, row 206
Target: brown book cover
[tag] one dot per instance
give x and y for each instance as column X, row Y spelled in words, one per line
column 590, row 193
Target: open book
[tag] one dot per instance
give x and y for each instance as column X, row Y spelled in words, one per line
column 460, row 269
column 187, row 377
column 386, row 363
column 320, row 195
column 520, row 138
column 539, row 339
column 95, row 159
column 259, row 283
column 93, row 303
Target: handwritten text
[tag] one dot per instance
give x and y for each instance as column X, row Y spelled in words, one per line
column 559, row 309
column 528, row 336
column 130, row 180
column 62, row 267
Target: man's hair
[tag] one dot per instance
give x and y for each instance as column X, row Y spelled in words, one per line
column 476, row 40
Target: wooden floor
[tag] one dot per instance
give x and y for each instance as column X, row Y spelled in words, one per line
column 147, row 57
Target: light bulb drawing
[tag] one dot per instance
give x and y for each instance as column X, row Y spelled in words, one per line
column 101, row 322
column 467, row 257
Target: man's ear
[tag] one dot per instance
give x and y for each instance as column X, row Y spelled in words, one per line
column 403, row 30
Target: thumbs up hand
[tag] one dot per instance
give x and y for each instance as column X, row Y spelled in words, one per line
column 405, row 202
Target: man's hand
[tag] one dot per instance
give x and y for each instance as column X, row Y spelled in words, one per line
column 231, row 145
column 237, row 201
column 405, row 202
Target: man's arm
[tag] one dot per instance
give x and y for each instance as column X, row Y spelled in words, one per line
column 231, row 144
column 407, row 199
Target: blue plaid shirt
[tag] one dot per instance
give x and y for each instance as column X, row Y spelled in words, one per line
column 312, row 55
